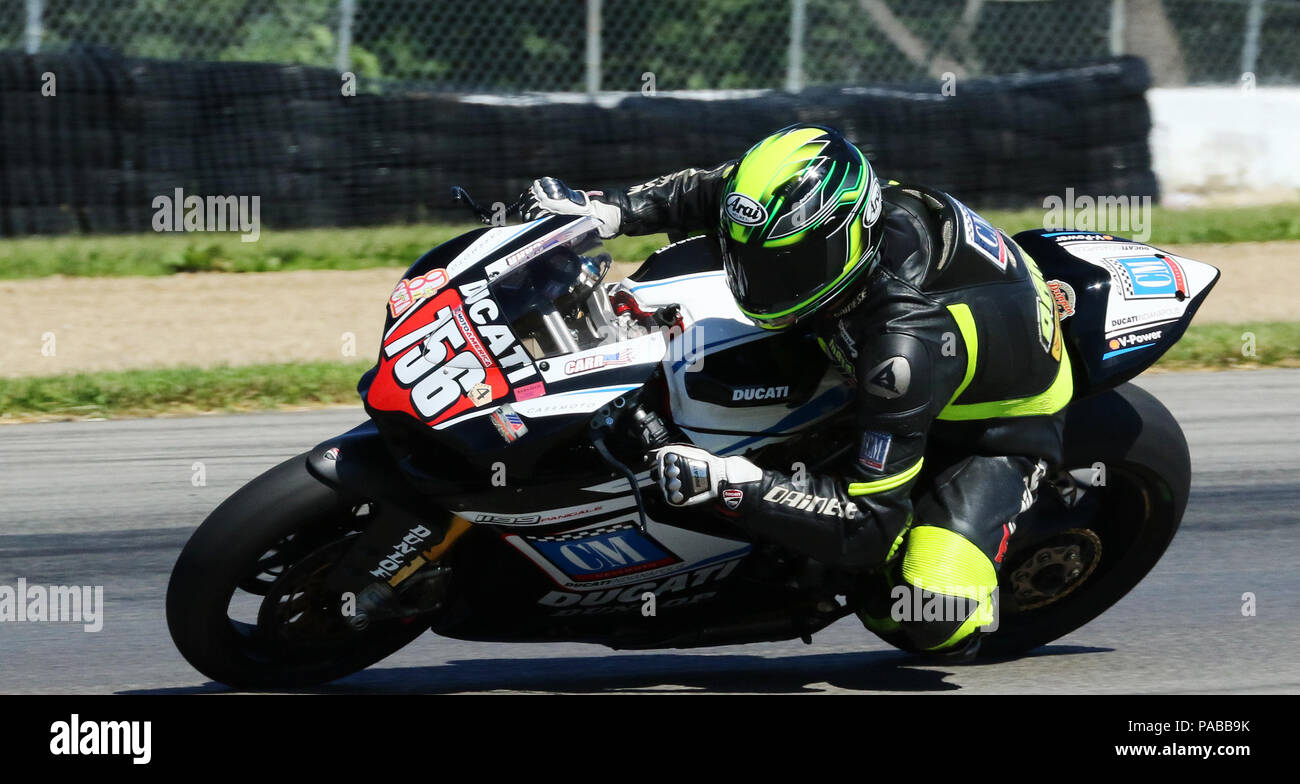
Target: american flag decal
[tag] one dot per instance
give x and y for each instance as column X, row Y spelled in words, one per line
column 508, row 424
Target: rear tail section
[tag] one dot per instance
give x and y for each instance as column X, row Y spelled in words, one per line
column 1122, row 303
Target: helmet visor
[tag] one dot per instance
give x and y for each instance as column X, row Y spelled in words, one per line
column 775, row 286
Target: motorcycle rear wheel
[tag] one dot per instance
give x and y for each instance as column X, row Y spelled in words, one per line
column 1128, row 437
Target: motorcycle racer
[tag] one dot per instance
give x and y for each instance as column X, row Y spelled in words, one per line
column 942, row 324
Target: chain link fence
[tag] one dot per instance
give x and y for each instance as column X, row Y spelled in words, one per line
column 631, row 45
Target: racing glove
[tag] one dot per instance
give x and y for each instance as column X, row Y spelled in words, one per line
column 688, row 475
column 551, row 196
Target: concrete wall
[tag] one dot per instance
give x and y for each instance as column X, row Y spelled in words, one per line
column 1207, row 140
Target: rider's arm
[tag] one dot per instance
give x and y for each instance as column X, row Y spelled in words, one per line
column 685, row 201
column 855, row 520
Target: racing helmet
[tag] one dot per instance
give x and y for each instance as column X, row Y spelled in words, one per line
column 798, row 224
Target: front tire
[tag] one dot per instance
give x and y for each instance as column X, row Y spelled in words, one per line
column 273, row 539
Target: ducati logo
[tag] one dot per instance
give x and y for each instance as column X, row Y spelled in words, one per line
column 890, row 378
column 732, row 497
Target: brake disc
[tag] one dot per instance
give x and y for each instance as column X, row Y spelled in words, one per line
column 1055, row 568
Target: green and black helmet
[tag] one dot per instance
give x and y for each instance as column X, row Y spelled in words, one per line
column 799, row 223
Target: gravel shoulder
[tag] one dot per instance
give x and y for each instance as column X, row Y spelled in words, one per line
column 65, row 325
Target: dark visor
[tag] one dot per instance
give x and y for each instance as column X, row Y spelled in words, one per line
column 772, row 280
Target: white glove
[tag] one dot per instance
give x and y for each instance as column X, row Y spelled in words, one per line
column 549, row 195
column 688, row 475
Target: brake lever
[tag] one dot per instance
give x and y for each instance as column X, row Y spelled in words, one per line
column 461, row 195
column 484, row 214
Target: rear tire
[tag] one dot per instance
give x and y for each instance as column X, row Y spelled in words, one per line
column 1148, row 476
column 251, row 542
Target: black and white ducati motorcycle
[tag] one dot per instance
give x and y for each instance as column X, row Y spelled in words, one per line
column 498, row 491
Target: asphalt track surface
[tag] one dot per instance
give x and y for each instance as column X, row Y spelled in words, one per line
column 112, row 503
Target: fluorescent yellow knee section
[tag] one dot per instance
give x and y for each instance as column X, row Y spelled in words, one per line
column 945, row 562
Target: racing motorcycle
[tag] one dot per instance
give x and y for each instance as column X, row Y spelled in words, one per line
column 497, row 491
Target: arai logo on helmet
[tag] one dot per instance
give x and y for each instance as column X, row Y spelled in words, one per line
column 745, row 211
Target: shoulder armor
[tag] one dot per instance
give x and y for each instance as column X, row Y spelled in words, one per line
column 973, row 251
column 894, row 372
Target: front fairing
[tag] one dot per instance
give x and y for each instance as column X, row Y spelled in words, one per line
column 473, row 365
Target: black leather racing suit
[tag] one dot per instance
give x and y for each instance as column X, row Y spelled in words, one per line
column 954, row 346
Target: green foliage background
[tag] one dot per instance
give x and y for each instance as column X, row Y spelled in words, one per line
column 539, row 44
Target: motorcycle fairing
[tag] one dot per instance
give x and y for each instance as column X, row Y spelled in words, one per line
column 613, row 553
column 720, row 357
column 1122, row 303
column 454, row 359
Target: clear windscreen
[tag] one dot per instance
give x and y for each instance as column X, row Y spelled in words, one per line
column 554, row 301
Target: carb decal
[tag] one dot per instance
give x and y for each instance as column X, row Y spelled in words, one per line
column 614, row 553
column 598, row 361
column 447, row 356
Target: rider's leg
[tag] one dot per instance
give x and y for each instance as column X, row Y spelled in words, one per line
column 947, row 574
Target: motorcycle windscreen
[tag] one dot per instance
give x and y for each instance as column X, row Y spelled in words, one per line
column 549, row 304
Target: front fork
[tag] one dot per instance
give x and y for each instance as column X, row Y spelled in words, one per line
column 392, row 568
column 417, row 587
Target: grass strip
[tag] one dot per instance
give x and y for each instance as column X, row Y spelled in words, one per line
column 399, row 246
column 188, row 390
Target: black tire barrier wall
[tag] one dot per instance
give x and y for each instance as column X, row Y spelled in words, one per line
column 120, row 132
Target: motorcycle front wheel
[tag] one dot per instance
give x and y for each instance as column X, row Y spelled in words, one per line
column 246, row 604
